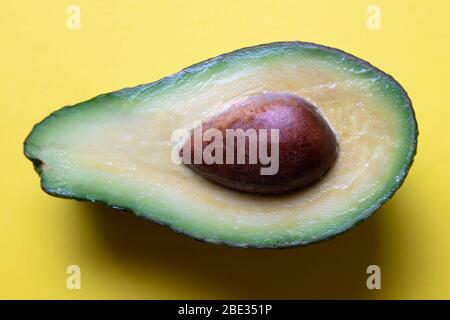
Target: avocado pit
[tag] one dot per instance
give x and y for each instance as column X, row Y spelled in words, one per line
column 270, row 143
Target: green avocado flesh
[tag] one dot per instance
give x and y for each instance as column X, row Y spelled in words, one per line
column 116, row 148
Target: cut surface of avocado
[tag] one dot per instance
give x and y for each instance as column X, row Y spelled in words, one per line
column 116, row 148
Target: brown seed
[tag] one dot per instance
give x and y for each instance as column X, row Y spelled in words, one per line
column 307, row 146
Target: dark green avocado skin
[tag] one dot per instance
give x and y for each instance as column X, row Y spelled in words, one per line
column 38, row 163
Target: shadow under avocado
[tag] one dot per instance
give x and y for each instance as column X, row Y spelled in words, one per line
column 331, row 269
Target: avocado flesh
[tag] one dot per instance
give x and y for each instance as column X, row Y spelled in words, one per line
column 116, row 148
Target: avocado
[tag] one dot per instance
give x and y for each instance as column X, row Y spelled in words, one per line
column 118, row 148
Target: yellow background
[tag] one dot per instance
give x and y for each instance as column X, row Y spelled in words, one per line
column 44, row 65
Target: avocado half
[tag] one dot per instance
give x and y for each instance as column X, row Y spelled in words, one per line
column 116, row 148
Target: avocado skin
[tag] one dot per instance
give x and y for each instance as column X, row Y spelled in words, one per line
column 412, row 149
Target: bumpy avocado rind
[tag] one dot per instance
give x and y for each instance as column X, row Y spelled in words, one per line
column 55, row 181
